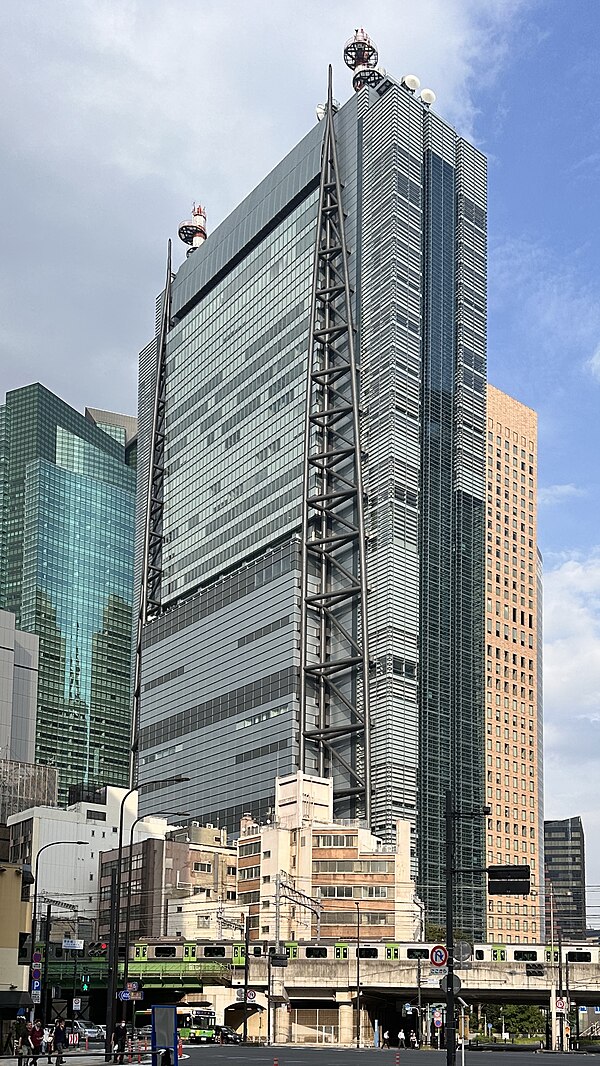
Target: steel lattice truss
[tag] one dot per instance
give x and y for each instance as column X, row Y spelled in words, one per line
column 151, row 578
column 334, row 676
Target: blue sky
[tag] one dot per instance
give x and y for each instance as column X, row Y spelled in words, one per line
column 118, row 113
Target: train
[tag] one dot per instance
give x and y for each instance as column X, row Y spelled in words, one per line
column 233, row 952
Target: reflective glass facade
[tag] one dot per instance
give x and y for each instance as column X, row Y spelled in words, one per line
column 68, row 523
column 414, row 198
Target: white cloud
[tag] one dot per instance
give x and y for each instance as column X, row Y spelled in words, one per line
column 118, row 113
column 556, row 311
column 572, row 696
column 549, row 495
column 593, row 364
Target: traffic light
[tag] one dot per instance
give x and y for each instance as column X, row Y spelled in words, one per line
column 508, row 880
column 24, row 956
column 85, row 982
column 98, row 948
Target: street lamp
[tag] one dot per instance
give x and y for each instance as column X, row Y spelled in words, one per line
column 52, row 844
column 115, row 910
column 140, row 818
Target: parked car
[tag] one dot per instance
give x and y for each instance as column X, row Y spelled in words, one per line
column 85, row 1030
column 227, row 1035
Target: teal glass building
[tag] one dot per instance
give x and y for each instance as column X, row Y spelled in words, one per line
column 67, row 503
column 221, row 665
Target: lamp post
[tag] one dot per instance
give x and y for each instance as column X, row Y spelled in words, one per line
column 140, row 818
column 113, row 967
column 52, row 844
column 357, row 905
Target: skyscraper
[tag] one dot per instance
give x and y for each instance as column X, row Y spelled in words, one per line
column 66, row 526
column 514, row 725
column 564, row 853
column 320, row 500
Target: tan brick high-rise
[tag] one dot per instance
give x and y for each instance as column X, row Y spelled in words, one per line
column 513, row 753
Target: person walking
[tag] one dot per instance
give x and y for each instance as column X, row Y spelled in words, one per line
column 36, row 1040
column 60, row 1041
column 401, row 1039
column 47, row 1043
column 23, row 1045
column 386, row 1040
column 119, row 1037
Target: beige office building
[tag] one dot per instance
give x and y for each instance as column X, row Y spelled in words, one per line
column 513, row 666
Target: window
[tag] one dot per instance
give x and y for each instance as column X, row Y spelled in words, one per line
column 96, row 816
column 202, row 867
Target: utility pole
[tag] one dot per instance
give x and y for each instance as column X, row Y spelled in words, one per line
column 450, row 1005
column 419, row 1005
column 357, row 905
column 561, row 1014
column 246, row 975
column 45, row 1009
column 113, row 965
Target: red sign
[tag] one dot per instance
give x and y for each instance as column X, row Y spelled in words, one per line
column 438, row 955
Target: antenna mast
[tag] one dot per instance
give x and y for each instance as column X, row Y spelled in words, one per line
column 334, row 671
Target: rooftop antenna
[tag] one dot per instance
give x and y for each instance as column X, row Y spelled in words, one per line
column 193, row 232
column 361, row 55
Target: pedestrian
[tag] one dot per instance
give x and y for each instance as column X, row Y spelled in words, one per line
column 23, row 1047
column 119, row 1037
column 36, row 1040
column 47, row 1043
column 413, row 1039
column 386, row 1039
column 401, row 1039
column 60, row 1040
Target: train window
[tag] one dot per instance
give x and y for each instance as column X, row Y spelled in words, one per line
column 165, row 951
column 291, row 951
column 141, row 951
column 498, row 954
column 257, row 950
column 341, row 951
column 239, row 954
column 525, row 956
column 417, row 953
column 214, row 951
column 479, row 954
column 316, row 953
column 551, row 956
column 392, row 952
column 367, row 953
column 579, row 956
column 189, row 951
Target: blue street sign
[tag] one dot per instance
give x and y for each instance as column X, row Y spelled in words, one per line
column 124, row 995
column 36, row 986
column 36, row 973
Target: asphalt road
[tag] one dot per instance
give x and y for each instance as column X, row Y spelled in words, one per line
column 231, row 1055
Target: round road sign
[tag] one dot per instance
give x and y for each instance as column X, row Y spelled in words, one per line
column 437, row 1022
column 438, row 955
column 251, row 995
column 560, row 1004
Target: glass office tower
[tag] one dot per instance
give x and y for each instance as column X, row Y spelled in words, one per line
column 67, row 527
column 221, row 664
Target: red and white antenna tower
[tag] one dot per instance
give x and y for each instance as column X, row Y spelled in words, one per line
column 361, row 55
column 193, row 232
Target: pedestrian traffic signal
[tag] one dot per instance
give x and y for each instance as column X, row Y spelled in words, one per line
column 85, row 982
column 98, row 948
